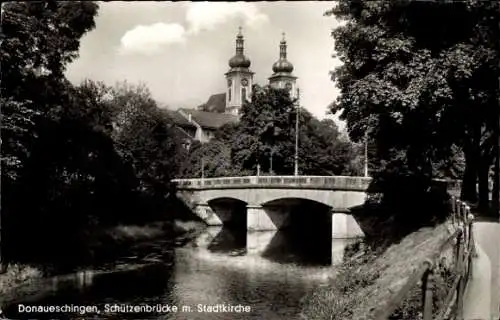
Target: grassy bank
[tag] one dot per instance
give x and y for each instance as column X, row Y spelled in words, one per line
column 107, row 244
column 17, row 274
column 130, row 234
column 364, row 284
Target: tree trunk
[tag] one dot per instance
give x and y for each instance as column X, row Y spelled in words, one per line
column 2, row 262
column 472, row 152
column 469, row 192
column 487, row 156
column 483, row 181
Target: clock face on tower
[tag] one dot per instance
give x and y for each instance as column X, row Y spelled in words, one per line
column 229, row 82
column 288, row 86
column 244, row 82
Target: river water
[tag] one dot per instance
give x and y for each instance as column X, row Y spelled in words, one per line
column 203, row 280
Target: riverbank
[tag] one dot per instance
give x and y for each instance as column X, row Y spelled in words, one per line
column 364, row 284
column 18, row 274
column 105, row 245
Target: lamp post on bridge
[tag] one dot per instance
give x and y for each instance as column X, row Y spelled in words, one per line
column 202, row 169
column 296, row 166
column 366, row 153
column 271, row 162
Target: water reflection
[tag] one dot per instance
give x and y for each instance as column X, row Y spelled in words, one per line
column 227, row 240
column 207, row 273
column 281, row 246
column 94, row 289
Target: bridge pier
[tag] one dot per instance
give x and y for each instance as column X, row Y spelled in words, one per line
column 258, row 241
column 206, row 237
column 344, row 226
column 258, row 219
column 206, row 213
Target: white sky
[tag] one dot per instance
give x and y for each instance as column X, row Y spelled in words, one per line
column 180, row 50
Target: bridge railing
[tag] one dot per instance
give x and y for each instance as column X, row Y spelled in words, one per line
column 340, row 182
column 347, row 182
column 462, row 241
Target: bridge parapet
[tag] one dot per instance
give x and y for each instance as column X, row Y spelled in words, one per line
column 305, row 182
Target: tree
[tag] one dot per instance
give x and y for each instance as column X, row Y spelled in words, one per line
column 266, row 133
column 265, row 129
column 38, row 40
column 214, row 156
column 145, row 137
column 324, row 151
column 405, row 65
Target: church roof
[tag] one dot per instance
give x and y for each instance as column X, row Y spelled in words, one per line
column 210, row 120
column 182, row 134
column 179, row 119
column 216, row 103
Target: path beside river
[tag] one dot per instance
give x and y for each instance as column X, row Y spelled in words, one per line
column 484, row 288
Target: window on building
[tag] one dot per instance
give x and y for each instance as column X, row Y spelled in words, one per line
column 243, row 94
column 229, row 95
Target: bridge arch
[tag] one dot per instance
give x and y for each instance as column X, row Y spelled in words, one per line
column 231, row 211
column 296, row 201
column 299, row 214
column 223, row 199
column 338, row 199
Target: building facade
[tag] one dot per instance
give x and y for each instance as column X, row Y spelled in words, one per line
column 239, row 79
column 224, row 108
column 282, row 76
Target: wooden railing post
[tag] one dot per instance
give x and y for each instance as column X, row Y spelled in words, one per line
column 472, row 245
column 427, row 290
column 453, row 202
column 459, row 271
column 466, row 227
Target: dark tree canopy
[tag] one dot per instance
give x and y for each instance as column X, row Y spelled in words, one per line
column 80, row 157
column 421, row 78
column 38, row 40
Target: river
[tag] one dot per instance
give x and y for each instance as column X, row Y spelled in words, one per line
column 203, row 279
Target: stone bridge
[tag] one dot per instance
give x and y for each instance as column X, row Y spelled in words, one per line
column 320, row 204
column 264, row 203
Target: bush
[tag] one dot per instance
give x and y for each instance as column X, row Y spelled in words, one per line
column 337, row 300
column 444, row 275
column 363, row 285
column 17, row 274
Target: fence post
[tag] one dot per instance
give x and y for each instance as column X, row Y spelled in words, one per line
column 452, row 203
column 427, row 289
column 466, row 227
column 464, row 212
column 472, row 246
column 459, row 270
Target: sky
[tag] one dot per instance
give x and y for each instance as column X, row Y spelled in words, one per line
column 180, row 50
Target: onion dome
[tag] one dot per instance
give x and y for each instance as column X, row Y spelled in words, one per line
column 239, row 60
column 283, row 65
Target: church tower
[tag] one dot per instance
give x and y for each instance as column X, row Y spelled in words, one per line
column 282, row 77
column 239, row 79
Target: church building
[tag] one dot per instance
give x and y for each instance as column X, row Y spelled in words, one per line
column 223, row 108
